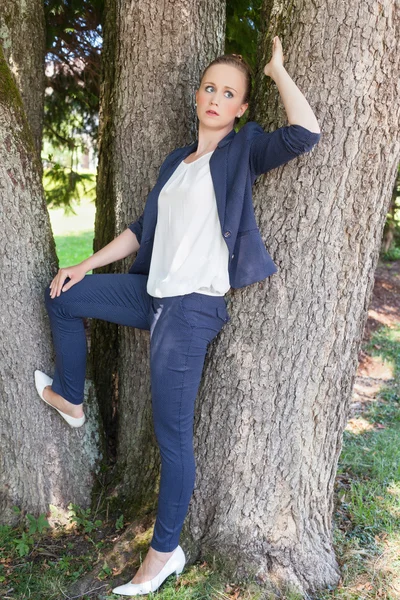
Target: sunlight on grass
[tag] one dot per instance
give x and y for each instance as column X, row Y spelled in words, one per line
column 73, row 233
column 367, row 517
column 73, row 249
column 70, row 224
column 358, row 425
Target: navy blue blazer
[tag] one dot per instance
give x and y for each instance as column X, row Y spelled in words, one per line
column 235, row 164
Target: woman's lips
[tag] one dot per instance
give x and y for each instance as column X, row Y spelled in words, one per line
column 211, row 113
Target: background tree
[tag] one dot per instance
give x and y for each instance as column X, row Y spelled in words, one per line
column 22, row 35
column 152, row 57
column 73, row 59
column 242, row 28
column 391, row 232
column 42, row 461
column 274, row 400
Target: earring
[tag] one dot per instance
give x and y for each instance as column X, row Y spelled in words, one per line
column 195, row 103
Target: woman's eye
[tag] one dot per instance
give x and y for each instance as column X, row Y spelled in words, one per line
column 212, row 87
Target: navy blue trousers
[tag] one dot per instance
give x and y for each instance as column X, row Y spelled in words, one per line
column 181, row 327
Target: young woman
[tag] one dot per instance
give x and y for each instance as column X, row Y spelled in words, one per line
column 196, row 238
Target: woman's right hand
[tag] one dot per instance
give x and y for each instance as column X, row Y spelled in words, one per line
column 75, row 273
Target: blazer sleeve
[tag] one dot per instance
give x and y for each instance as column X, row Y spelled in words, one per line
column 269, row 150
column 137, row 227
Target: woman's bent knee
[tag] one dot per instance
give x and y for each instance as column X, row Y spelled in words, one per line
column 49, row 301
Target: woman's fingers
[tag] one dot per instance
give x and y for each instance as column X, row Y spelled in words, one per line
column 57, row 283
column 70, row 283
column 75, row 274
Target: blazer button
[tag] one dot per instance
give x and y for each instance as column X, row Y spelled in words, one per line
column 227, row 233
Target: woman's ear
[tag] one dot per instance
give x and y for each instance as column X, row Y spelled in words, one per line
column 242, row 110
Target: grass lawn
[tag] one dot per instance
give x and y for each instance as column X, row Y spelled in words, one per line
column 73, row 234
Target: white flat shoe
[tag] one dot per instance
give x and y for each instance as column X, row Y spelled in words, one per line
column 41, row 381
column 175, row 563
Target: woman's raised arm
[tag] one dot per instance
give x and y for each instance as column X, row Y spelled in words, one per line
column 269, row 150
column 298, row 111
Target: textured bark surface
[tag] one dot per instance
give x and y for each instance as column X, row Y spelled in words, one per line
column 274, row 399
column 22, row 35
column 104, row 346
column 158, row 51
column 42, row 460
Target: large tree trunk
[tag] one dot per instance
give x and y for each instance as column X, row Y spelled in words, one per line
column 153, row 54
column 22, row 34
column 42, row 460
column 274, row 400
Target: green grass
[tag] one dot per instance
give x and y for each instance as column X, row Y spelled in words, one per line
column 73, row 249
column 73, row 233
column 367, row 518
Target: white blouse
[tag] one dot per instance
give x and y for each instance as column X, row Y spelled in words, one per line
column 189, row 251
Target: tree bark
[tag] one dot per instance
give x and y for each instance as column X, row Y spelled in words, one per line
column 390, row 225
column 22, row 34
column 274, row 399
column 42, row 460
column 153, row 55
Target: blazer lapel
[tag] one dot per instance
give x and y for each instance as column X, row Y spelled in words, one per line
column 218, row 169
column 219, row 173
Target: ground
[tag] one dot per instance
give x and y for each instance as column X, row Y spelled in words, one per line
column 384, row 310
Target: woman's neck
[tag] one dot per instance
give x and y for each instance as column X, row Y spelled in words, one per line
column 208, row 139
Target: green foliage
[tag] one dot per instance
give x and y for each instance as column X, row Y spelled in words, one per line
column 23, row 544
column 82, row 520
column 392, row 225
column 37, row 525
column 392, row 254
column 36, row 560
column 64, row 184
column 242, row 27
column 21, row 539
column 119, row 523
column 73, row 45
column 105, row 571
column 73, row 58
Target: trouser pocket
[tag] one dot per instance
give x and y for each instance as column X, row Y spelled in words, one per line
column 202, row 311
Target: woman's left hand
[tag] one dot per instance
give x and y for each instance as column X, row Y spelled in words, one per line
column 276, row 61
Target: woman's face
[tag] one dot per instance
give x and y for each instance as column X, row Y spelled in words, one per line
column 221, row 90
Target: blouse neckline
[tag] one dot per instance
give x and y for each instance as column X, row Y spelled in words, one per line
column 197, row 159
